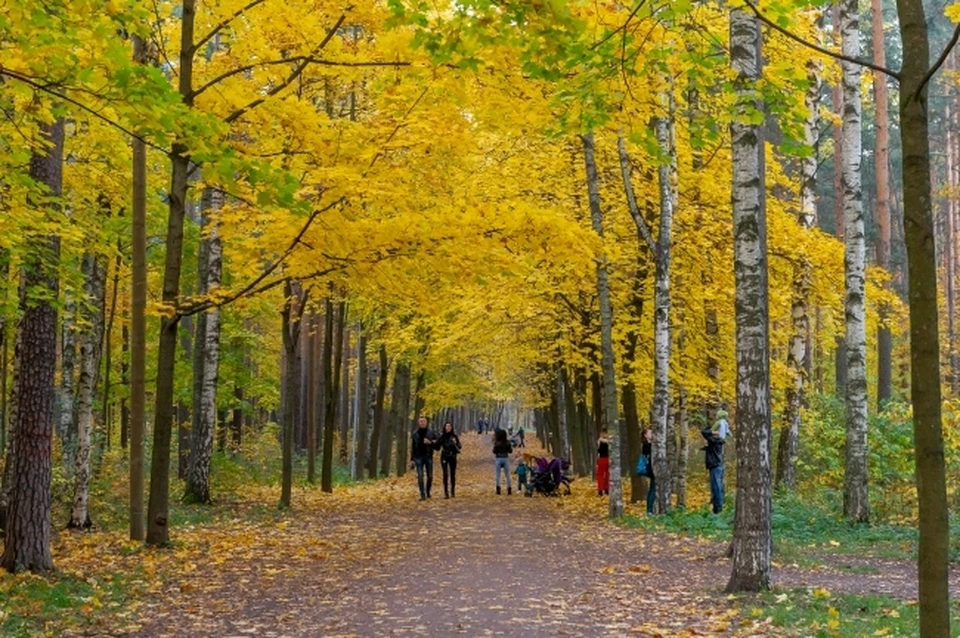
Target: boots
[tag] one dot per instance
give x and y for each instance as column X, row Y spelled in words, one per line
column 509, row 491
column 498, row 490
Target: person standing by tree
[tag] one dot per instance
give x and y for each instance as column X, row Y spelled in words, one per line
column 425, row 441
column 603, row 465
column 501, row 452
column 647, row 451
column 714, row 458
column 449, row 449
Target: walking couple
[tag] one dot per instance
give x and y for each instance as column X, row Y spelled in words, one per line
column 424, row 442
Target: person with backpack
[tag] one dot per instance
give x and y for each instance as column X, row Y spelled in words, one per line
column 501, row 453
column 423, row 443
column 449, row 449
column 714, row 461
column 645, row 468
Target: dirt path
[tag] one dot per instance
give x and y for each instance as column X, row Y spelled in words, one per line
column 374, row 560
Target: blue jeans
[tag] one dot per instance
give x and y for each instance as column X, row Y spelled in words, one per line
column 502, row 463
column 651, row 495
column 716, row 489
column 421, row 465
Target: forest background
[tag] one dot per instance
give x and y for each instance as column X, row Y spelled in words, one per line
column 353, row 215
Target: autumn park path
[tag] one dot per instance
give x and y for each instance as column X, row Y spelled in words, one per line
column 374, row 561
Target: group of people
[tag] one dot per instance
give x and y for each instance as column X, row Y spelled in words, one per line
column 425, row 442
column 715, row 438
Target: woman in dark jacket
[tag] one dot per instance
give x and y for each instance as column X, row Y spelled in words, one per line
column 501, row 452
column 603, row 465
column 647, row 451
column 449, row 449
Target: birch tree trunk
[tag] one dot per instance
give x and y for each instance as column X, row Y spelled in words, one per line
column 798, row 355
column 89, row 339
column 609, row 388
column 856, row 506
column 933, row 556
column 27, row 527
column 66, row 393
column 206, row 355
column 752, row 540
column 840, row 360
column 661, row 320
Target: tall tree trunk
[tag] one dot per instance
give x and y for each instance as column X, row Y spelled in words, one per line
column 798, row 356
column 27, row 526
column 291, row 326
column 158, row 504
column 661, row 313
column 933, row 559
column 840, row 362
column 856, row 506
column 184, row 413
column 89, row 339
column 206, row 359
column 950, row 247
column 138, row 325
column 344, row 384
column 752, row 540
column 376, row 438
column 610, row 421
column 331, row 378
column 400, row 415
column 683, row 448
column 362, row 420
column 882, row 172
column 108, row 348
column 312, row 411
column 236, row 427
column 66, row 393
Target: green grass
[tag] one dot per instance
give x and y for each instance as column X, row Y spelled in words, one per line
column 803, row 531
column 804, row 612
column 32, row 605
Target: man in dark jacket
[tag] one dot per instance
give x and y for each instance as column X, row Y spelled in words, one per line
column 714, row 458
column 424, row 442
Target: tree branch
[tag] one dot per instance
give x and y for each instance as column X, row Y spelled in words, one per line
column 939, row 63
column 250, row 287
column 223, row 25
column 290, row 78
column 819, row 49
column 631, row 198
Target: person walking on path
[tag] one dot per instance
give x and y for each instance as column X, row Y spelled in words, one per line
column 714, row 459
column 501, row 452
column 421, row 455
column 520, row 437
column 603, row 465
column 449, row 449
column 647, row 451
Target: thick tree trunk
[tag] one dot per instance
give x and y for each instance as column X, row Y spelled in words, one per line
column 856, row 506
column 363, row 402
column 933, row 559
column 683, row 448
column 158, row 504
column 752, row 541
column 138, row 332
column 882, row 172
column 291, row 325
column 399, row 415
column 89, row 339
column 610, row 421
column 312, row 403
column 343, row 383
column 380, row 438
column 840, row 360
column 27, row 526
column 206, row 360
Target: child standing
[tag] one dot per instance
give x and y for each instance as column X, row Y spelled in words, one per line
column 521, row 471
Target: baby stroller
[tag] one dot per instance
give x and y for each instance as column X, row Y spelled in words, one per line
column 549, row 478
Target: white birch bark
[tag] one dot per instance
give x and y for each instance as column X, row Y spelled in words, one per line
column 752, row 541
column 662, row 338
column 89, row 337
column 856, row 506
column 609, row 388
column 201, row 446
column 67, row 387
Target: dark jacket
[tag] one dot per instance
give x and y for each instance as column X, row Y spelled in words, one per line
column 502, row 449
column 647, row 451
column 419, row 449
column 449, row 445
column 714, row 448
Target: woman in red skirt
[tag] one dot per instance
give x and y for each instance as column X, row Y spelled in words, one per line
column 603, row 465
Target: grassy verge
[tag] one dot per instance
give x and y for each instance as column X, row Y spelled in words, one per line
column 804, row 612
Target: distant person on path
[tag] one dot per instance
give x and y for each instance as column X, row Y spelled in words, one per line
column 723, row 427
column 520, row 437
column 647, row 451
column 501, row 453
column 603, row 465
column 449, row 449
column 521, row 471
column 714, row 459
column 421, row 455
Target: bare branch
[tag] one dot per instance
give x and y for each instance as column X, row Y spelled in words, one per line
column 819, row 49
column 939, row 63
column 223, row 25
